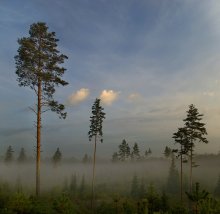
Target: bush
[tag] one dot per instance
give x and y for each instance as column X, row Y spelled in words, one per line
column 64, row 205
column 20, row 204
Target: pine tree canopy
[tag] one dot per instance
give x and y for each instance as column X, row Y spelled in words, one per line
column 57, row 156
column 96, row 120
column 9, row 154
column 124, row 151
column 38, row 65
column 195, row 129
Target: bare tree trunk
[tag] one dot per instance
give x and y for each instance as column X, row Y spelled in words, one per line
column 190, row 175
column 38, row 138
column 181, row 176
column 93, row 176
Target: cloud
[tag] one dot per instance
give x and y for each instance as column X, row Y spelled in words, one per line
column 108, row 96
column 79, row 96
column 134, row 97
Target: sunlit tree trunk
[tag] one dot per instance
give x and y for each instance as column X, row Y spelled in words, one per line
column 37, row 66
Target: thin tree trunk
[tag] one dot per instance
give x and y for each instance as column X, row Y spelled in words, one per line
column 93, row 176
column 190, row 175
column 181, row 176
column 38, row 138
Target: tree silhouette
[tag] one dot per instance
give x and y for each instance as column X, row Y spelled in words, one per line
column 181, row 138
column 95, row 132
column 57, row 157
column 148, row 152
column 153, row 199
column 167, row 152
column 22, row 156
column 85, row 159
column 82, row 186
column 173, row 177
column 135, row 154
column 115, row 157
column 9, row 155
column 196, row 195
column 73, row 185
column 124, row 151
column 195, row 131
column 135, row 187
column 37, row 67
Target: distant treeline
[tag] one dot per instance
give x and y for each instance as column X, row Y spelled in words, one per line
column 125, row 153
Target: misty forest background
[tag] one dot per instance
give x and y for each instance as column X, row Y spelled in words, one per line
column 132, row 180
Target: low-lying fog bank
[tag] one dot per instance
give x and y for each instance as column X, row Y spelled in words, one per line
column 115, row 174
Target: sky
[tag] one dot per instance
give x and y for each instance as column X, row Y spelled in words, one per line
column 147, row 60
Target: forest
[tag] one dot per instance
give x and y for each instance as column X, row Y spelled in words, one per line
column 144, row 185
column 132, row 181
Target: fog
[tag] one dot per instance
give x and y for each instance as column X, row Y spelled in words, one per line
column 117, row 175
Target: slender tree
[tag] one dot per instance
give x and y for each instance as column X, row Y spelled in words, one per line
column 153, row 199
column 82, row 186
column 57, row 157
column 38, row 67
column 196, row 196
column 146, row 154
column 115, row 157
column 95, row 132
column 85, row 159
column 167, row 152
column 196, row 132
column 124, row 151
column 73, row 185
column 9, row 155
column 127, row 152
column 135, row 187
column 164, row 203
column 135, row 154
column 22, row 156
column 173, row 178
column 181, row 138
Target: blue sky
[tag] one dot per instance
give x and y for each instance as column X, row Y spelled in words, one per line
column 147, row 60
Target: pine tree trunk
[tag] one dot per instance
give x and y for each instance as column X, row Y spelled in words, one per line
column 190, row 175
column 181, row 176
column 93, row 176
column 38, row 138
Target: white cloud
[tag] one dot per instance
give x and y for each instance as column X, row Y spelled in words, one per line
column 78, row 96
column 108, row 96
column 134, row 97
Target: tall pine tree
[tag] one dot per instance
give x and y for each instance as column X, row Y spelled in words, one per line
column 38, row 67
column 181, row 138
column 173, row 178
column 196, row 132
column 96, row 132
